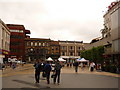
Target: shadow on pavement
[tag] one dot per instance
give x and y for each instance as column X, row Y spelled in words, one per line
column 41, row 78
column 31, row 84
column 32, row 77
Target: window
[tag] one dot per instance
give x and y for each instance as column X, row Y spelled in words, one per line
column 35, row 43
column 71, row 53
column 31, row 43
column 15, row 43
column 63, row 53
column 78, row 53
column 47, row 44
column 71, row 47
column 43, row 44
column 52, row 48
column 20, row 31
column 27, row 43
column 57, row 53
column 37, row 50
column 3, row 32
column 16, row 36
column 39, row 44
column 79, row 48
column 2, row 43
column 63, row 47
column 56, row 48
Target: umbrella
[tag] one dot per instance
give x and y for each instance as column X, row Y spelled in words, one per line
column 82, row 60
column 49, row 59
column 61, row 59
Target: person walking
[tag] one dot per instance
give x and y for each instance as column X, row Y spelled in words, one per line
column 37, row 66
column 13, row 65
column 57, row 71
column 82, row 66
column 42, row 69
column 92, row 65
column 47, row 69
column 76, row 64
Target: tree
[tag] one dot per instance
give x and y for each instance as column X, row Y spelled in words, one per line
column 94, row 54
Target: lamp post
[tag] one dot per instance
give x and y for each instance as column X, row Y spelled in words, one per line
column 31, row 50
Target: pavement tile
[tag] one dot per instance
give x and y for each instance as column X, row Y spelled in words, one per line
column 29, row 69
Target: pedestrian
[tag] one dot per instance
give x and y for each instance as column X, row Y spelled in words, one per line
column 13, row 65
column 3, row 66
column 76, row 64
column 37, row 66
column 92, row 64
column 57, row 70
column 70, row 64
column 67, row 64
column 47, row 69
column 42, row 69
column 82, row 66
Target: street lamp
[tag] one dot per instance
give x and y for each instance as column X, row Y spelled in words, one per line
column 31, row 51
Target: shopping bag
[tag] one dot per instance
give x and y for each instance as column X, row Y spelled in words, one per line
column 53, row 75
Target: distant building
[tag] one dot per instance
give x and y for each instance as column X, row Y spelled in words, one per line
column 41, row 48
column 54, row 49
column 4, row 41
column 17, row 41
column 71, row 50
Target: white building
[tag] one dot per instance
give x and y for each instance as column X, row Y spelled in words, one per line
column 71, row 50
column 111, row 33
column 4, row 41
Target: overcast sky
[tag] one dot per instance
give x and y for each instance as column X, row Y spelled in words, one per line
column 79, row 20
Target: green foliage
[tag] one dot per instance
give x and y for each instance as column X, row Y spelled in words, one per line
column 94, row 54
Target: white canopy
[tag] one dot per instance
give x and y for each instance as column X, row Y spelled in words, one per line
column 49, row 59
column 61, row 59
column 82, row 60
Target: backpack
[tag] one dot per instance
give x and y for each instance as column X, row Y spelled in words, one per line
column 36, row 66
column 58, row 67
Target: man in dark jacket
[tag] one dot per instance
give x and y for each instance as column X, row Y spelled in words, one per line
column 37, row 66
column 47, row 69
column 57, row 72
column 76, row 64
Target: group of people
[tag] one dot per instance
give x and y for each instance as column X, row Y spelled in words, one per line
column 46, row 68
column 76, row 65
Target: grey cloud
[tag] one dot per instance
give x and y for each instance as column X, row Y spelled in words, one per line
column 27, row 14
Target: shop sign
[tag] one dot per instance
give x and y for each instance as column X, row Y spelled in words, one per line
column 5, row 52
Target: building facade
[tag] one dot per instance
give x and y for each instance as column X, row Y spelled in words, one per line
column 70, row 50
column 4, row 41
column 54, row 49
column 110, row 34
column 112, row 24
column 40, row 48
column 17, row 41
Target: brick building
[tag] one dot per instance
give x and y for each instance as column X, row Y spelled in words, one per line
column 17, row 43
column 41, row 48
column 54, row 49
